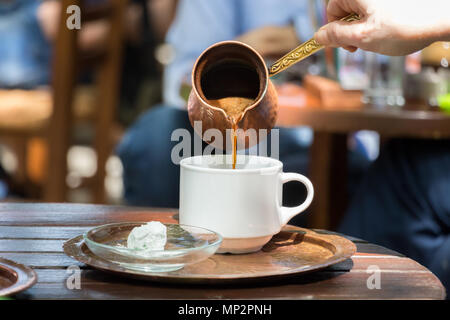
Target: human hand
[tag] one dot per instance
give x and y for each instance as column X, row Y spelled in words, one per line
column 391, row 27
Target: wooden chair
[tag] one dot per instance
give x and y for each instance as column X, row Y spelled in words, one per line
column 54, row 120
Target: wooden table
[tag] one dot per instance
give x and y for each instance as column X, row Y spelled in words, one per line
column 328, row 153
column 33, row 234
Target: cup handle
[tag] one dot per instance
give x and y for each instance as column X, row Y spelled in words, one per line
column 287, row 213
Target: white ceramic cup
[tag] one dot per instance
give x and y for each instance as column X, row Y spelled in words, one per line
column 244, row 205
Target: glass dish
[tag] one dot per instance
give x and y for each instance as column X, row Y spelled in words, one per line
column 185, row 245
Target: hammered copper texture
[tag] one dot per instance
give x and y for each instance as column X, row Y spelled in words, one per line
column 261, row 115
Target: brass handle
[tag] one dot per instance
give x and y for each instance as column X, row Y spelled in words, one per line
column 302, row 51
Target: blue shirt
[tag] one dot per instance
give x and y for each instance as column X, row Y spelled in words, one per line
column 201, row 23
column 24, row 51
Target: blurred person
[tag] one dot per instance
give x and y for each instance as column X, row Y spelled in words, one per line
column 403, row 202
column 146, row 23
column 24, row 56
column 28, row 30
column 24, row 49
column 150, row 177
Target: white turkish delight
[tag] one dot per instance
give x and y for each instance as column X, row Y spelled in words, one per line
column 149, row 237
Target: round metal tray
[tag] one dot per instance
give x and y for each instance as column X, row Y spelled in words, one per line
column 291, row 252
column 15, row 277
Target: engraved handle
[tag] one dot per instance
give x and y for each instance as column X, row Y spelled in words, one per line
column 302, row 51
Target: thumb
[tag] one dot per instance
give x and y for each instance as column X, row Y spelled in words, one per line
column 340, row 34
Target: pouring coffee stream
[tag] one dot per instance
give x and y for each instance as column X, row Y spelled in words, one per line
column 234, row 107
column 232, row 90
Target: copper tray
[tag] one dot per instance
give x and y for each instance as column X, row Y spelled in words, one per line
column 15, row 277
column 293, row 251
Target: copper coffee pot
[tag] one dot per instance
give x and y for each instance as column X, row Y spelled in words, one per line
column 225, row 69
column 234, row 69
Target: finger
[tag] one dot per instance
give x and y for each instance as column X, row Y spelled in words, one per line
column 340, row 34
column 338, row 9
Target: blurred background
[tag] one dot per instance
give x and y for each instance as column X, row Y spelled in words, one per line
column 86, row 114
column 94, row 82
column 33, row 35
